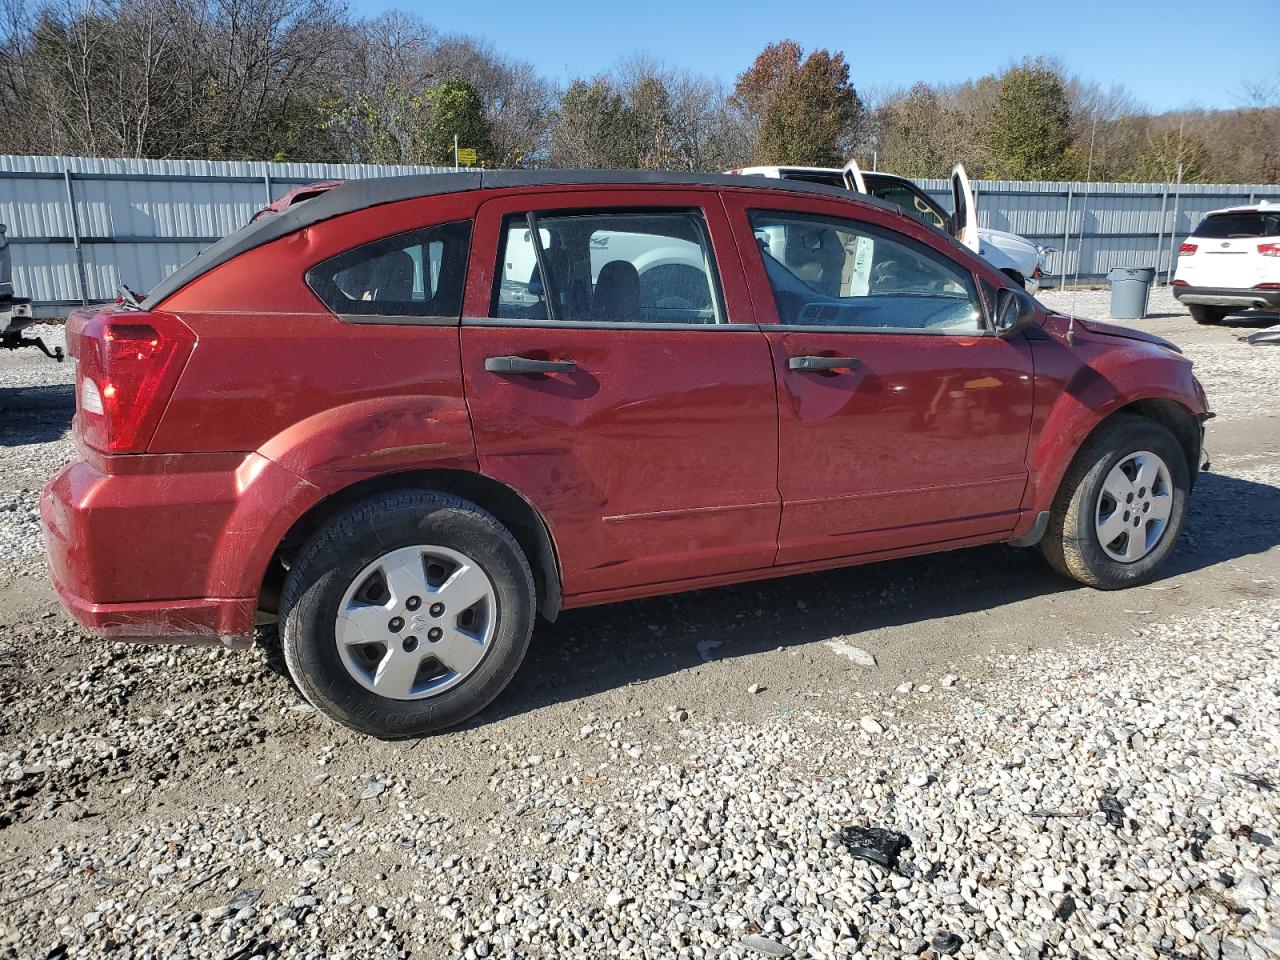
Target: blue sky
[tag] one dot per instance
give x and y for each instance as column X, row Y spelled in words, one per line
column 1161, row 51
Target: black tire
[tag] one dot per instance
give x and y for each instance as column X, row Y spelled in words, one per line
column 355, row 538
column 1071, row 544
column 1201, row 313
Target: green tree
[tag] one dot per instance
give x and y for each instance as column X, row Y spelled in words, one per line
column 1029, row 136
column 812, row 118
column 590, row 127
column 450, row 109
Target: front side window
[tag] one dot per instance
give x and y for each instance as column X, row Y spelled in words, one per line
column 417, row 274
column 831, row 272
column 607, row 267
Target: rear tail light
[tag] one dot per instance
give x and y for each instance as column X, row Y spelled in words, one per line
column 1269, row 249
column 1187, row 249
column 1267, row 286
column 128, row 364
column 1179, row 283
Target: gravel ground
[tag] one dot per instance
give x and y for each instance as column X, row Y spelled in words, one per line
column 1059, row 772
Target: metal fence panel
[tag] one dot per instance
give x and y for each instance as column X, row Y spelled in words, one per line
column 1097, row 226
column 80, row 226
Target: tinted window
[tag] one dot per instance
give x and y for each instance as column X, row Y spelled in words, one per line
column 832, row 178
column 831, row 272
column 911, row 202
column 1225, row 226
column 621, row 267
column 417, row 274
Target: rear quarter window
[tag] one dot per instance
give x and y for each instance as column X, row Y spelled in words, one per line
column 416, row 275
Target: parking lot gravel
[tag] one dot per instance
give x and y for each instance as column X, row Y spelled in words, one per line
column 1057, row 772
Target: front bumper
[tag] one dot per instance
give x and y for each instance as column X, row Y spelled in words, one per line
column 1244, row 298
column 168, row 549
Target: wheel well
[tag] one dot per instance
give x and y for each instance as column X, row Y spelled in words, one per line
column 1179, row 421
column 1015, row 276
column 512, row 510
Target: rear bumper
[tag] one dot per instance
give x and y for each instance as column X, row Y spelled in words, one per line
column 1243, row 297
column 169, row 549
column 210, row 621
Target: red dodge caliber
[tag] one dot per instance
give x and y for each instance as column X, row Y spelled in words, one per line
column 404, row 416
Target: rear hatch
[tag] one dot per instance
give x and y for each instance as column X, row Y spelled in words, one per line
column 1235, row 249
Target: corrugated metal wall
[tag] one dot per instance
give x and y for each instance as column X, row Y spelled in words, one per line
column 81, row 226
column 1097, row 226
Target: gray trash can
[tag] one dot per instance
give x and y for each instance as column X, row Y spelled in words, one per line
column 1130, row 288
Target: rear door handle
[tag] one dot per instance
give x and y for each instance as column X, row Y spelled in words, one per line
column 823, row 363
column 525, row 365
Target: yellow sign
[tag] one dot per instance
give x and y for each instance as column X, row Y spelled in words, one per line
column 467, row 156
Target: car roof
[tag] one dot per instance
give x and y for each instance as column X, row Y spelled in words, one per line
column 1263, row 206
column 352, row 195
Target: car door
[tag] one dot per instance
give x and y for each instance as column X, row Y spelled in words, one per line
column 616, row 379
column 964, row 219
column 902, row 420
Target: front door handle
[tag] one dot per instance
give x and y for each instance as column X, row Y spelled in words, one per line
column 525, row 365
column 823, row 363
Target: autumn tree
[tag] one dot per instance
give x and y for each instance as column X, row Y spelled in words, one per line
column 806, row 112
column 813, row 119
column 760, row 83
column 1173, row 155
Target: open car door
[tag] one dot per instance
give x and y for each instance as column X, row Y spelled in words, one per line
column 964, row 220
column 853, row 177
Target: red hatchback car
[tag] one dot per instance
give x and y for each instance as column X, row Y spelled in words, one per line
column 403, row 416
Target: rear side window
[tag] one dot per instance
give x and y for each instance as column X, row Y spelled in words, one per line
column 608, row 267
column 1226, row 226
column 420, row 274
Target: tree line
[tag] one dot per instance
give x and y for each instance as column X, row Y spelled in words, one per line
column 304, row 80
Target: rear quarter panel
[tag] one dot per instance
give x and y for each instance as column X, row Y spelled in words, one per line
column 275, row 375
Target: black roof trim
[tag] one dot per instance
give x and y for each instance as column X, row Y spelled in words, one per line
column 353, row 195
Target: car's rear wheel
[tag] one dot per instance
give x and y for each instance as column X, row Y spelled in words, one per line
column 1120, row 506
column 407, row 613
column 1201, row 313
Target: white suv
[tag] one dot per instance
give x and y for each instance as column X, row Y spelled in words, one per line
column 1016, row 257
column 1231, row 262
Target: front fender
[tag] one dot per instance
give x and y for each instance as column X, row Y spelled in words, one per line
column 1079, row 386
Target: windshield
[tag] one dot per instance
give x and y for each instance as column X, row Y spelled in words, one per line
column 1226, row 226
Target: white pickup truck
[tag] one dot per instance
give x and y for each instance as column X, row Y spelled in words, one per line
column 1017, row 257
column 15, row 312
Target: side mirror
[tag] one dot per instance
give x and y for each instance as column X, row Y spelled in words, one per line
column 1015, row 311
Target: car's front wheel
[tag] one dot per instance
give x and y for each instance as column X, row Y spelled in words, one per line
column 1201, row 313
column 1120, row 506
column 407, row 613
